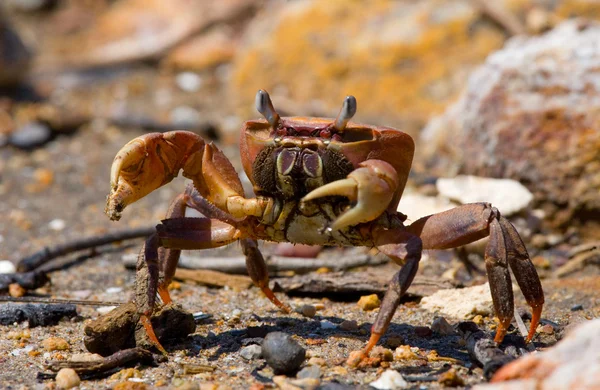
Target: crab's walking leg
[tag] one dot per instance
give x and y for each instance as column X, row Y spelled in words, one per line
column 257, row 269
column 403, row 248
column 470, row 222
column 180, row 233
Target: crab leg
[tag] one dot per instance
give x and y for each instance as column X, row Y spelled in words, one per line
column 404, row 248
column 470, row 222
column 257, row 269
column 372, row 187
column 180, row 233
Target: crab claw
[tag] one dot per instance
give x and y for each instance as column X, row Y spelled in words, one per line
column 372, row 187
column 146, row 163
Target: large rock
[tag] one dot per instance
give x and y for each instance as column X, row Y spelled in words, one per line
column 531, row 113
column 402, row 60
column 571, row 364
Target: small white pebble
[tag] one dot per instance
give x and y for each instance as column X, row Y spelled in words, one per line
column 57, row 224
column 188, row 81
column 390, row 379
column 67, row 378
column 114, row 290
column 7, row 267
column 17, row 352
column 236, row 313
column 328, row 325
column 139, row 380
column 105, row 309
column 46, row 355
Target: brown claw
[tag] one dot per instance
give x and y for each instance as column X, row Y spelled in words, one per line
column 372, row 186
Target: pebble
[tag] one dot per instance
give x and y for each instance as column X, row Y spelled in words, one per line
column 85, row 357
column 67, row 378
column 390, row 380
column 462, row 303
column 30, row 135
column 404, row 352
column 451, row 379
column 188, row 81
column 126, row 374
column 296, row 384
column 577, row 308
column 317, row 361
column 307, row 310
column 251, row 352
column 325, row 324
column 55, row 344
column 57, row 224
column 309, row 372
column 7, row 267
column 349, row 326
column 105, row 309
column 282, row 352
column 369, row 302
column 15, row 290
column 442, row 326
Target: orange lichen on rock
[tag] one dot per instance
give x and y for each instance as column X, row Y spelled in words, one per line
column 400, row 59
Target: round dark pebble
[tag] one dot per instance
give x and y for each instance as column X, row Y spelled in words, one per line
column 30, row 135
column 423, row 331
column 283, row 353
column 577, row 308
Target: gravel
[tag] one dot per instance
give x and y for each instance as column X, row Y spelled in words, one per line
column 251, row 352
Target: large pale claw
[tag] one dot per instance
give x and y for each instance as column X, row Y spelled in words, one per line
column 146, row 163
column 371, row 186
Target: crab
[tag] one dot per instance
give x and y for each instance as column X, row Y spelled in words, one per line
column 316, row 181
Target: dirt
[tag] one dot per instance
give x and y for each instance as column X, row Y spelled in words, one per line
column 79, row 166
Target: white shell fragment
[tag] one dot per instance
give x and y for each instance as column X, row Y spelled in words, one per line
column 7, row 267
column 508, row 196
column 389, row 380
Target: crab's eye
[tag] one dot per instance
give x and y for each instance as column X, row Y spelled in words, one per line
column 325, row 133
column 281, row 132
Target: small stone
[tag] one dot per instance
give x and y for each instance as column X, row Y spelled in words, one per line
column 7, row 267
column 404, row 352
column 30, row 135
column 577, row 308
column 442, row 326
column 307, row 310
column 309, row 372
column 251, row 352
column 451, row 379
column 16, row 291
column 317, row 361
column 57, row 224
column 369, row 302
column 349, row 326
column 462, row 303
column 188, row 81
column 390, row 380
column 319, row 306
column 547, row 329
column 67, row 378
column 478, row 319
column 382, row 353
column 297, row 384
column 325, row 324
column 282, row 352
column 339, row 370
column 55, row 344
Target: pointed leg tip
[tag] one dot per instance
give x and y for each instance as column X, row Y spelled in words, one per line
column 151, row 335
column 535, row 320
column 501, row 332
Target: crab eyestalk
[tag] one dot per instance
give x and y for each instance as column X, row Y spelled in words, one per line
column 264, row 105
column 346, row 113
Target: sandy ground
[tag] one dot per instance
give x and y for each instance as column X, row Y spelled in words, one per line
column 67, row 180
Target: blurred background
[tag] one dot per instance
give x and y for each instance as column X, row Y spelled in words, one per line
column 492, row 89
